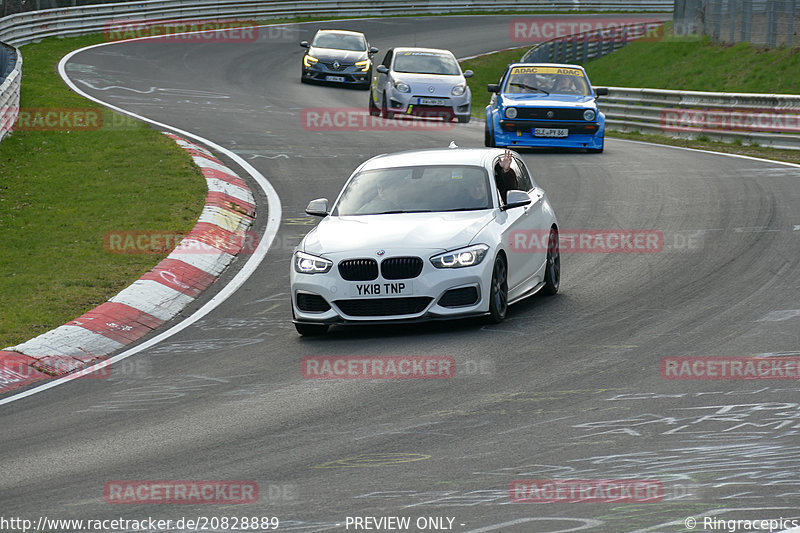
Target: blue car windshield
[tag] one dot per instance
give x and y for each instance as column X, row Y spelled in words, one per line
column 340, row 41
column 426, row 63
column 525, row 82
column 416, row 189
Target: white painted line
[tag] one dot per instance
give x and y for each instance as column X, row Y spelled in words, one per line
column 585, row 523
column 153, row 298
column 273, row 222
column 68, row 341
column 779, row 316
column 740, row 156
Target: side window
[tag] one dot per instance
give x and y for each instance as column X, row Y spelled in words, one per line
column 387, row 59
column 524, row 182
column 505, row 180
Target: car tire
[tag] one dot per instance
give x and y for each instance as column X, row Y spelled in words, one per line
column 552, row 267
column 311, row 330
column 373, row 109
column 385, row 113
column 464, row 120
column 488, row 138
column 498, row 292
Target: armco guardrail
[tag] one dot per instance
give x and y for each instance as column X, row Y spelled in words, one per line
column 10, row 78
column 23, row 28
column 581, row 47
column 764, row 119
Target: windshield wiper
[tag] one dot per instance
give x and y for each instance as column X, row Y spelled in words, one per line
column 402, row 211
column 526, row 86
column 466, row 209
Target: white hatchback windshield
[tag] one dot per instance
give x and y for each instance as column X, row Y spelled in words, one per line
column 416, row 189
column 426, row 63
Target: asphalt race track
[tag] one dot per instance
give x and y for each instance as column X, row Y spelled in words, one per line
column 569, row 387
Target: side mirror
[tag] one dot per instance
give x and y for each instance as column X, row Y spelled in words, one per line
column 373, row 50
column 468, row 73
column 516, row 199
column 318, row 207
column 382, row 69
column 601, row 91
column 493, row 87
column 304, row 44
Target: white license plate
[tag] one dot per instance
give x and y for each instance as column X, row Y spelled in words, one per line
column 432, row 101
column 334, row 78
column 550, row 132
column 383, row 289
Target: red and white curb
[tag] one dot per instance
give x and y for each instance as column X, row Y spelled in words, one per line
column 218, row 236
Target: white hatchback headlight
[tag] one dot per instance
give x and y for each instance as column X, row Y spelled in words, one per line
column 463, row 257
column 458, row 90
column 402, row 87
column 311, row 264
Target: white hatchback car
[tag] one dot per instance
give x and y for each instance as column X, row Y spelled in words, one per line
column 428, row 234
column 424, row 82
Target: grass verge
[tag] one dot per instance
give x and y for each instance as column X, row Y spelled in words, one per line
column 62, row 191
column 676, row 63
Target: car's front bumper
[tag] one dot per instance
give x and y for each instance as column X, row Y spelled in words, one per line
column 521, row 133
column 347, row 75
column 410, row 104
column 436, row 294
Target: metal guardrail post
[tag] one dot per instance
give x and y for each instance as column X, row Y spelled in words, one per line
column 790, row 22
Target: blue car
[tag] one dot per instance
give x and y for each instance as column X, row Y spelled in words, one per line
column 545, row 105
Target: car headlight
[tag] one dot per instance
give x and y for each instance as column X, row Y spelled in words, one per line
column 402, row 87
column 458, row 90
column 511, row 112
column 311, row 264
column 309, row 60
column 464, row 257
column 588, row 114
column 364, row 65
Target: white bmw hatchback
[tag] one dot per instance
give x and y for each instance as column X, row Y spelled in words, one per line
column 428, row 234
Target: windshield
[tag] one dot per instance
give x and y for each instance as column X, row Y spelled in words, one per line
column 415, row 190
column 426, row 63
column 340, row 41
column 547, row 80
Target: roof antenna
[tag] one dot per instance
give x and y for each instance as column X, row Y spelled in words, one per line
column 453, row 144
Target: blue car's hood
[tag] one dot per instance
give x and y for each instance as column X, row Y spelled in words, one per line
column 543, row 100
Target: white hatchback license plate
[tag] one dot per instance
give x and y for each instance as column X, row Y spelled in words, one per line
column 550, row 132
column 334, row 78
column 381, row 290
column 432, row 101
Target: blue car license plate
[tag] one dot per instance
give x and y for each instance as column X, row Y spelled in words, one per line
column 550, row 132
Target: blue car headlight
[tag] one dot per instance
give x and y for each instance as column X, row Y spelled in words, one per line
column 589, row 114
column 311, row 264
column 511, row 112
column 463, row 257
